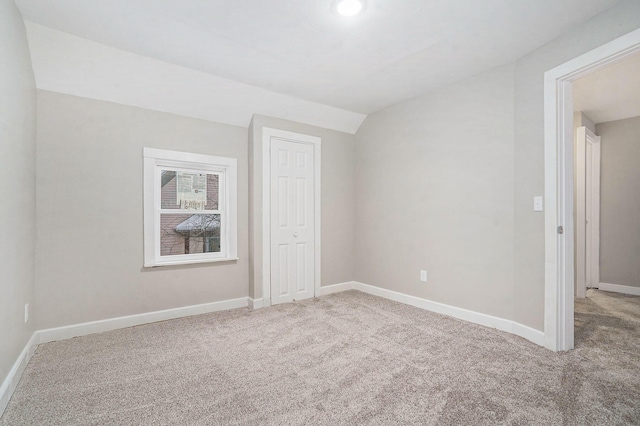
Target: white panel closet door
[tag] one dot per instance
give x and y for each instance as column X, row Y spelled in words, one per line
column 580, row 209
column 592, row 255
column 292, row 221
column 587, row 208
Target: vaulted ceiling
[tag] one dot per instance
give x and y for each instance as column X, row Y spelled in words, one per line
column 395, row 50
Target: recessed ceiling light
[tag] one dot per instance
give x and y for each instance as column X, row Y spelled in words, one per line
column 349, row 7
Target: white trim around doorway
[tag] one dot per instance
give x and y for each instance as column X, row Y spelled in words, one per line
column 558, row 182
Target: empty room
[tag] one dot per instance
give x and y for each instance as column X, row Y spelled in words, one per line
column 320, row 212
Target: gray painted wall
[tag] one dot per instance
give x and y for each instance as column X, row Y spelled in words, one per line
column 434, row 191
column 338, row 200
column 17, row 185
column 89, row 211
column 620, row 202
column 413, row 165
column 89, row 242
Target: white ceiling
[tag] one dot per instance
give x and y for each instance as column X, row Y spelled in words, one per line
column 395, row 50
column 72, row 65
column 612, row 93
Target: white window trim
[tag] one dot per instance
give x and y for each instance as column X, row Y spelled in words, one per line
column 227, row 167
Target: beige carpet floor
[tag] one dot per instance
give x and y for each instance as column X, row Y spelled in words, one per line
column 344, row 359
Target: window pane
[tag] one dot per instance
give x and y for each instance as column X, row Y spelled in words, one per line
column 169, row 190
column 189, row 234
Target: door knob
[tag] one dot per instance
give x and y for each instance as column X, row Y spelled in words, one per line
column 295, row 235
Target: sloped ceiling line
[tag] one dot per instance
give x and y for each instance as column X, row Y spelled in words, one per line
column 72, row 65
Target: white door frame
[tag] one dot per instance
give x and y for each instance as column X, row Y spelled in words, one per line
column 558, row 183
column 587, row 210
column 267, row 134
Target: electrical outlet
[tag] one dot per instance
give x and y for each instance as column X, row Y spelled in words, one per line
column 423, row 276
column 26, row 313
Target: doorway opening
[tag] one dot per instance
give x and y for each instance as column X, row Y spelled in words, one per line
column 559, row 184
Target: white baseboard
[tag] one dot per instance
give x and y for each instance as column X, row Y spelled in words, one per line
column 533, row 335
column 324, row 290
column 618, row 288
column 59, row 333
column 75, row 330
column 335, row 288
column 256, row 303
column 11, row 381
column 66, row 332
column 69, row 331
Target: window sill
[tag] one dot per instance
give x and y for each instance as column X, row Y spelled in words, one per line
column 190, row 262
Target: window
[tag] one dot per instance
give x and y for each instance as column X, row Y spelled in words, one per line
column 189, row 208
